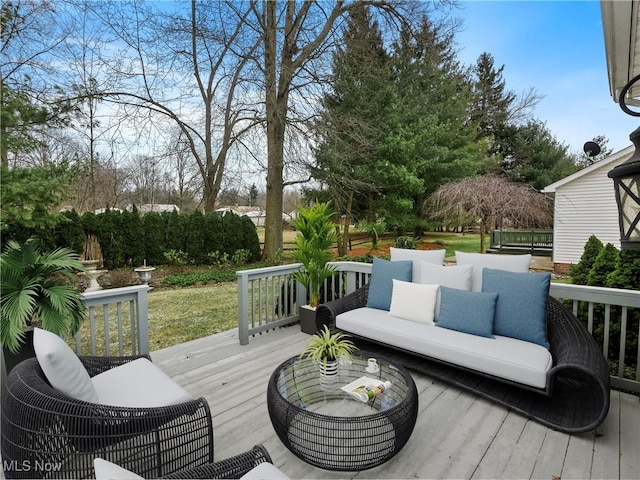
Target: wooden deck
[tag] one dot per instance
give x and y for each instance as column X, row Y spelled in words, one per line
column 457, row 435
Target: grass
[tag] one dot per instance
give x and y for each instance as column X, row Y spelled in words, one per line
column 181, row 315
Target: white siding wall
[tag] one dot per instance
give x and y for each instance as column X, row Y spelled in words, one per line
column 583, row 207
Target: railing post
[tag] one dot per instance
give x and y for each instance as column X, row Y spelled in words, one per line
column 142, row 305
column 243, row 307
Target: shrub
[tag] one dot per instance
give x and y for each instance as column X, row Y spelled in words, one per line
column 176, row 257
column 189, row 279
column 241, row 256
column 218, row 258
column 604, row 264
column 580, row 272
column 406, row 242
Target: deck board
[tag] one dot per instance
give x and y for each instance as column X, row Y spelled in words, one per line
column 457, row 434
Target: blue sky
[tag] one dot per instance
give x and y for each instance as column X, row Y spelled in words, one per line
column 557, row 47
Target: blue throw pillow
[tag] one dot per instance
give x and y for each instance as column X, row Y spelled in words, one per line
column 521, row 310
column 468, row 312
column 383, row 273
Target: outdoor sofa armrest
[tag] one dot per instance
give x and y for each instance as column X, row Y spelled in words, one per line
column 233, row 467
column 326, row 313
column 580, row 372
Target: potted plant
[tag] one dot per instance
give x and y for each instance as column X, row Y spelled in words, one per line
column 328, row 349
column 316, row 235
column 38, row 289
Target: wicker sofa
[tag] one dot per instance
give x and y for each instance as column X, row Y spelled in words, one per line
column 575, row 397
column 46, row 433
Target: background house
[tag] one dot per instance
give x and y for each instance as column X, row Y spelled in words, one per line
column 585, row 205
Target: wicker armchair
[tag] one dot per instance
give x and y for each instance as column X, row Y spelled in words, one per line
column 576, row 397
column 233, row 467
column 46, row 433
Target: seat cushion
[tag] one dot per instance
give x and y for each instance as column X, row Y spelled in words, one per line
column 435, row 257
column 106, row 470
column 138, row 384
column 383, row 272
column 413, row 301
column 62, row 367
column 510, row 263
column 503, row 357
column 264, row 471
column 521, row 309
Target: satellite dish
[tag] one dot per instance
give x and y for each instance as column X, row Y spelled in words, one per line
column 591, row 149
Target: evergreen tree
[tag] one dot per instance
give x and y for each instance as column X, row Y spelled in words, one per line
column 627, row 272
column 491, row 102
column 350, row 126
column 604, row 264
column 429, row 136
column 580, row 271
column 533, row 155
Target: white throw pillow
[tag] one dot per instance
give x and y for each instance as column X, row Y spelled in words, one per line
column 413, row 301
column 509, row 263
column 264, row 471
column 138, row 384
column 110, row 471
column 417, row 257
column 454, row 276
column 62, row 367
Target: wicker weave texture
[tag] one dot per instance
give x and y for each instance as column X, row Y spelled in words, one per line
column 576, row 398
column 46, row 433
column 233, row 467
column 323, row 426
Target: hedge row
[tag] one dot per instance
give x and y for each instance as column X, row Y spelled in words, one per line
column 127, row 239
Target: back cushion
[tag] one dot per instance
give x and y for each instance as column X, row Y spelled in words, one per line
column 521, row 309
column 383, row 272
column 62, row 367
column 509, row 263
column 417, row 257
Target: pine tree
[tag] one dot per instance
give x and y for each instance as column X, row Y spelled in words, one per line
column 351, row 123
column 604, row 264
column 580, row 272
column 491, row 101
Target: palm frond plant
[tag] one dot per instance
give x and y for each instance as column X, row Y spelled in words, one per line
column 326, row 347
column 38, row 290
column 316, row 235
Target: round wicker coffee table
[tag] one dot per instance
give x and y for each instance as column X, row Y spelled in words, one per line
column 327, row 428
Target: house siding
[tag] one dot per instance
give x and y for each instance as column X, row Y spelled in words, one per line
column 585, row 206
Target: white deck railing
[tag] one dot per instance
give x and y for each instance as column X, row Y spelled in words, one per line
column 117, row 322
column 268, row 298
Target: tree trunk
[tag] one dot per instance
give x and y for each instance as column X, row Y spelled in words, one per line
column 347, row 223
column 483, row 247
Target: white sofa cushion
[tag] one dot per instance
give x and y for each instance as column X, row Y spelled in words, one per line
column 62, row 367
column 138, row 384
column 413, row 301
column 504, row 357
column 509, row 263
column 106, row 470
column 264, row 471
column 454, row 276
column 417, row 257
